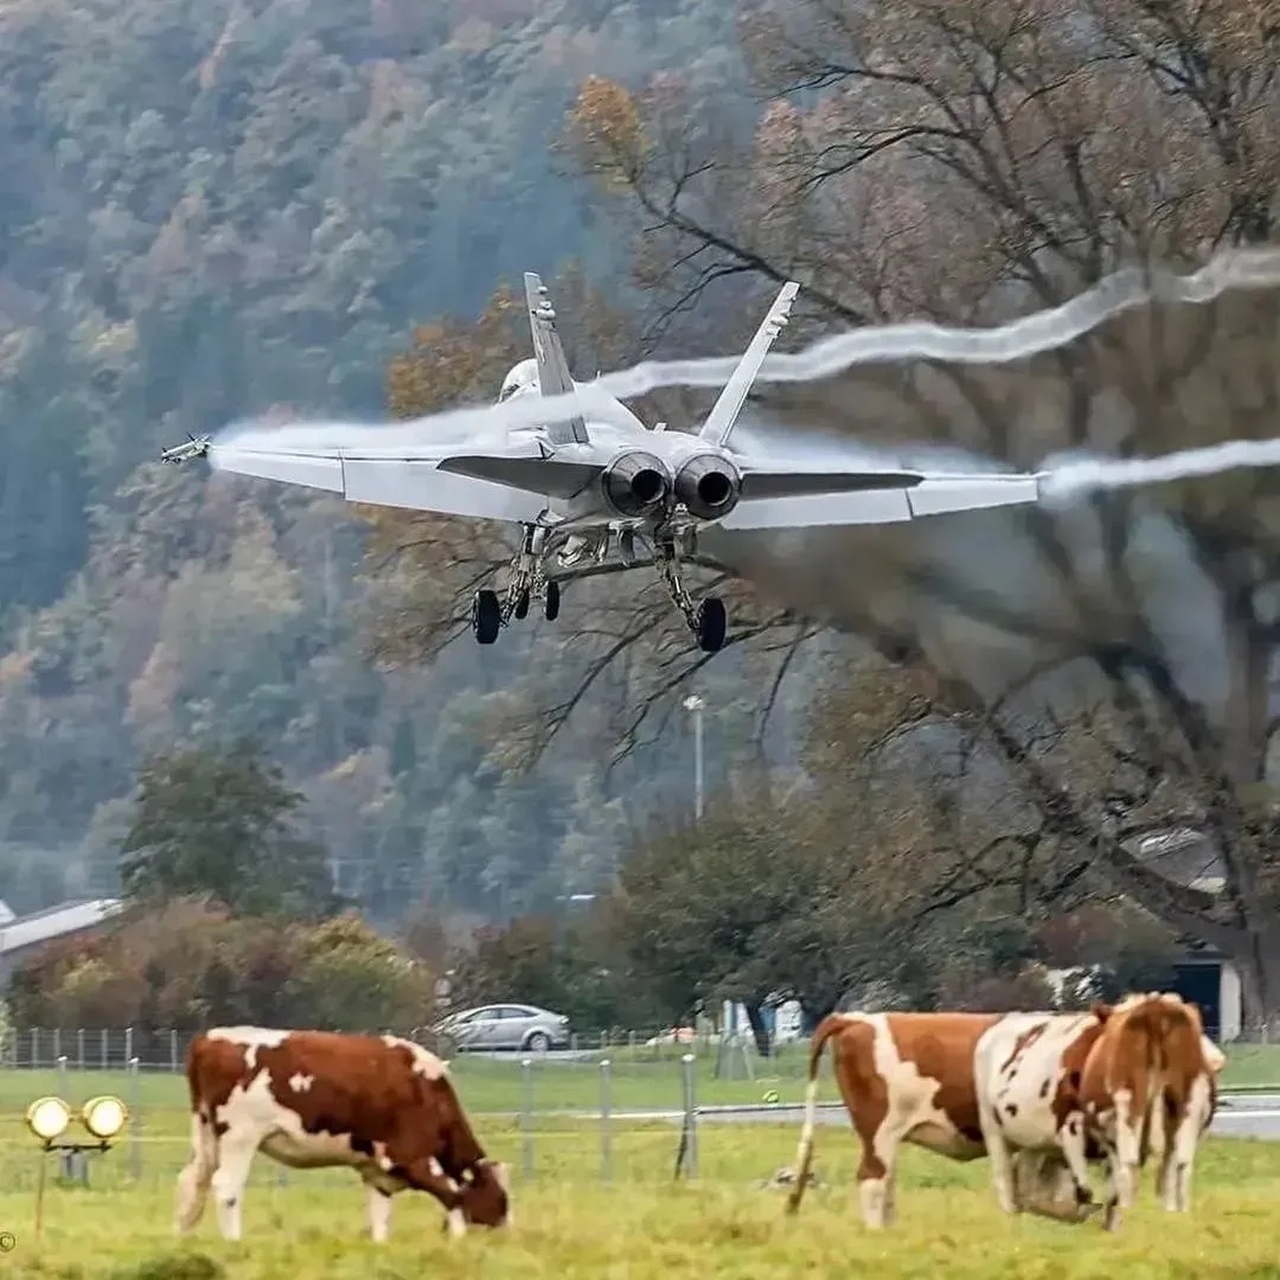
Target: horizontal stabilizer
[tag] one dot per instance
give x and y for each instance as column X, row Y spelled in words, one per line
column 796, row 484
column 548, row 476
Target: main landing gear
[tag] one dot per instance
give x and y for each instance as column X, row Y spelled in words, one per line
column 489, row 613
column 707, row 619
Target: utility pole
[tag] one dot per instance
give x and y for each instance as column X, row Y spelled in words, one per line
column 694, row 704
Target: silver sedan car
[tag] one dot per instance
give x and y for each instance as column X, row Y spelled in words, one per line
column 506, row 1026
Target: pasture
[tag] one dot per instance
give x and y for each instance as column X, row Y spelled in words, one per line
column 596, row 1200
column 644, row 1226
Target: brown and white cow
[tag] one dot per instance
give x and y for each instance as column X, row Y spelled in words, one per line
column 382, row 1106
column 1100, row 1085
column 1027, row 1073
column 904, row 1077
column 1185, row 1109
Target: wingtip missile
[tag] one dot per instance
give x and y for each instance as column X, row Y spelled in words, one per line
column 192, row 447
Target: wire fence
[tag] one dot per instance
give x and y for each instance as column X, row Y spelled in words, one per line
column 165, row 1049
column 628, row 1111
column 643, row 1108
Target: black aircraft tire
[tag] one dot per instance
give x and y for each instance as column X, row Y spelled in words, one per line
column 551, row 605
column 522, row 605
column 712, row 625
column 486, row 616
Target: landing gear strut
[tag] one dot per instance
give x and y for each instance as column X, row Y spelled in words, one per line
column 707, row 619
column 528, row 581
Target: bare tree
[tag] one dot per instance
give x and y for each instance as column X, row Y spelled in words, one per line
column 962, row 160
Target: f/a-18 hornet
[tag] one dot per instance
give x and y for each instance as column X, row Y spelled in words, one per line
column 581, row 485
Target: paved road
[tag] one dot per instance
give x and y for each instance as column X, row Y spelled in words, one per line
column 1254, row 1115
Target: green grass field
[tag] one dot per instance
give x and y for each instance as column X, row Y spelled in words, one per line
column 645, row 1227
column 642, row 1224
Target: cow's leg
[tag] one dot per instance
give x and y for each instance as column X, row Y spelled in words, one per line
column 1001, row 1158
column 890, row 1194
column 1191, row 1124
column 875, row 1174
column 1128, row 1142
column 1179, row 1161
column 1111, row 1197
column 1072, row 1141
column 379, row 1205
column 196, row 1176
column 236, row 1150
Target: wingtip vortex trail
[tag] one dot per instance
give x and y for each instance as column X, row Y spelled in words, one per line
column 1238, row 269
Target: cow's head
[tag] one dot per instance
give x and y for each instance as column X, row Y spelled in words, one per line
column 484, row 1198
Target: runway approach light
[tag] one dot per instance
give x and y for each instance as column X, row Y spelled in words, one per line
column 48, row 1118
column 104, row 1116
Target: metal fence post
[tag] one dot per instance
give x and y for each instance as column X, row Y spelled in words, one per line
column 135, row 1126
column 173, row 1052
column 80, row 1048
column 104, row 1047
column 687, row 1155
column 62, row 1076
column 606, row 1106
column 128, row 1044
column 526, row 1117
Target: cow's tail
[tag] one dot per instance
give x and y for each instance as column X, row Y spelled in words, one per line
column 804, row 1154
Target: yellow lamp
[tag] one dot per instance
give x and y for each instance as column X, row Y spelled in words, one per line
column 104, row 1116
column 48, row 1118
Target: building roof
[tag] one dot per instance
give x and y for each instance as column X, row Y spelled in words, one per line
column 55, row 922
column 1185, row 856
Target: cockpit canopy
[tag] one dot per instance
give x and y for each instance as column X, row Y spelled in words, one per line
column 522, row 377
column 594, row 404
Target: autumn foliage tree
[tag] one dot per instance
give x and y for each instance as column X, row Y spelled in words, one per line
column 967, row 161
column 190, row 964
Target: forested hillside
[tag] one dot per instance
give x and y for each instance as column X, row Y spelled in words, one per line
column 212, row 210
column 980, row 730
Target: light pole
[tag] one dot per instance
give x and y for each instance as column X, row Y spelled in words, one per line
column 693, row 703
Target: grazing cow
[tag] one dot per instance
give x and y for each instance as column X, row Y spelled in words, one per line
column 1027, row 1073
column 904, row 1077
column 1190, row 1098
column 1088, row 1086
column 315, row 1099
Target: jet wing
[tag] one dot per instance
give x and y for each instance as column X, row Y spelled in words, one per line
column 796, row 499
column 417, row 478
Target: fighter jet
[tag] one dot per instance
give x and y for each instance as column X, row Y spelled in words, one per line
column 590, row 486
